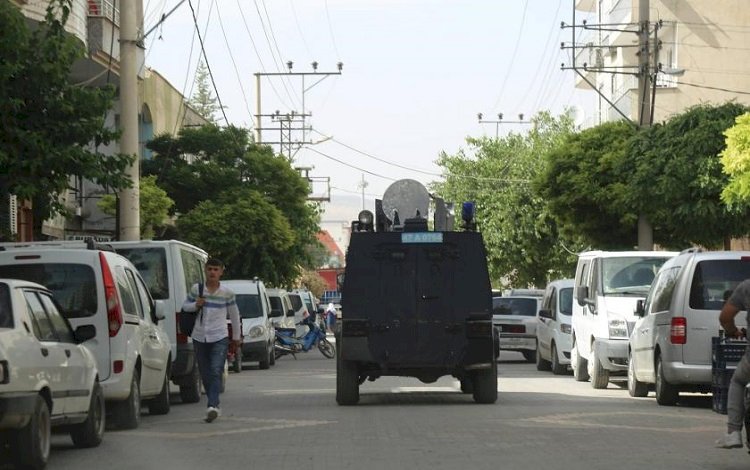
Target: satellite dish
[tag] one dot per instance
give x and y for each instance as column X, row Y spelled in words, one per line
column 578, row 115
column 406, row 197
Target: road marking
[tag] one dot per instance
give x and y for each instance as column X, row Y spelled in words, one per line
column 264, row 425
column 584, row 420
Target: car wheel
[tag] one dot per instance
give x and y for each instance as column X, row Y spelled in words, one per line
column 530, row 356
column 160, row 404
column 580, row 371
column 326, row 348
column 190, row 392
column 347, row 382
column 237, row 363
column 599, row 375
column 90, row 432
column 557, row 368
column 33, row 440
column 541, row 363
column 265, row 363
column 636, row 388
column 485, row 385
column 666, row 393
column 271, row 355
column 128, row 412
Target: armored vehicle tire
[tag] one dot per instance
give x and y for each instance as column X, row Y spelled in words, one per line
column 557, row 368
column 467, row 386
column 666, row 393
column 636, row 388
column 190, row 390
column 599, row 375
column 530, row 356
column 541, row 363
column 580, row 371
column 485, row 385
column 347, row 382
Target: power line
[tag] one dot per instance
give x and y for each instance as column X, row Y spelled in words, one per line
column 236, row 70
column 542, row 59
column 330, row 30
column 350, row 165
column 513, row 57
column 299, row 28
column 707, row 87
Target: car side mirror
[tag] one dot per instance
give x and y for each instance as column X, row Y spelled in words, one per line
column 582, row 295
column 160, row 310
column 84, row 333
column 640, row 308
column 290, row 312
column 546, row 313
column 275, row 313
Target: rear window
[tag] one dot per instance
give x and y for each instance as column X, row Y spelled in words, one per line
column 296, row 302
column 249, row 305
column 566, row 301
column 151, row 263
column 73, row 285
column 276, row 304
column 513, row 306
column 6, row 312
column 714, row 281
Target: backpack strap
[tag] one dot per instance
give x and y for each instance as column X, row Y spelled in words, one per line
column 200, row 294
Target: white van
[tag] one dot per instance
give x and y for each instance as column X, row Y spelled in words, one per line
column 608, row 285
column 170, row 268
column 257, row 328
column 553, row 332
column 282, row 312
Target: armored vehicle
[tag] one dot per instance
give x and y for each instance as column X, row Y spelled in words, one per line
column 416, row 302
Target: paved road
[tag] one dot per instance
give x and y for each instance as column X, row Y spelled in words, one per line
column 287, row 418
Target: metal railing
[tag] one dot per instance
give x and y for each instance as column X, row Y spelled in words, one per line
column 104, row 9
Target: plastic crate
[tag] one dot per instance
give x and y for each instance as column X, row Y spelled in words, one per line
column 726, row 353
column 719, row 402
column 722, row 377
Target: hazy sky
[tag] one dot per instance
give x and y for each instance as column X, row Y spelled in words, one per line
column 415, row 75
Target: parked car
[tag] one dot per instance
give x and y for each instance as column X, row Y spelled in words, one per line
column 257, row 328
column 300, row 309
column 608, row 284
column 170, row 268
column 47, row 377
column 553, row 331
column 282, row 315
column 514, row 318
column 670, row 347
column 100, row 287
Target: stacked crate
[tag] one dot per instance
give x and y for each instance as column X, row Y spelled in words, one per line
column 725, row 354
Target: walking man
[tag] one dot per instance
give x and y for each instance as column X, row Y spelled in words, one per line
column 739, row 300
column 210, row 333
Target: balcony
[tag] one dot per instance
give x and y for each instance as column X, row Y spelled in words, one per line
column 36, row 10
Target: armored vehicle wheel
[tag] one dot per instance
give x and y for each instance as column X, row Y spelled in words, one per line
column 636, row 388
column 467, row 386
column 557, row 368
column 530, row 356
column 599, row 375
column 347, row 382
column 541, row 363
column 485, row 385
column 580, row 369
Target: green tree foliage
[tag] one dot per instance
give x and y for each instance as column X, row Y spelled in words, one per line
column 212, row 167
column 524, row 246
column 203, row 100
column 154, row 206
column 735, row 160
column 582, row 184
column 675, row 177
column 47, row 124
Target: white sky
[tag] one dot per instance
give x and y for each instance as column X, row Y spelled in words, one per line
column 415, row 75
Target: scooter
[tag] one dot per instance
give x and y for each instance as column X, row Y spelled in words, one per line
column 287, row 343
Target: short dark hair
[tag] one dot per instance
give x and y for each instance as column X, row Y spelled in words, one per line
column 215, row 262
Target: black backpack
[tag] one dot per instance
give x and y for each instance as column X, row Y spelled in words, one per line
column 187, row 319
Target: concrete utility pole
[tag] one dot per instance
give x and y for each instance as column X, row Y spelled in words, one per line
column 129, row 199
column 480, row 117
column 645, row 231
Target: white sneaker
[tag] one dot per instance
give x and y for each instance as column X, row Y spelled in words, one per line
column 732, row 440
column 211, row 414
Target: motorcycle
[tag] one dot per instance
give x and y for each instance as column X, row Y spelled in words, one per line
column 287, row 343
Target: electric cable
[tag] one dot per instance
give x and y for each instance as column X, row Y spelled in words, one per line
column 234, row 64
column 513, row 57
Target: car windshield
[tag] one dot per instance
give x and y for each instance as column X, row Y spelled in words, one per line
column 73, row 285
column 714, row 281
column 566, row 301
column 6, row 314
column 296, row 302
column 514, row 306
column 629, row 275
column 151, row 263
column 249, row 305
column 276, row 304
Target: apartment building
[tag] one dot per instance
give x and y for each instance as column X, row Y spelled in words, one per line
column 704, row 46
column 162, row 109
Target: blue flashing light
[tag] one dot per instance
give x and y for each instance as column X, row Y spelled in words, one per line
column 467, row 211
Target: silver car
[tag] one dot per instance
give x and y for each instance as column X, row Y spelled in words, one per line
column 514, row 318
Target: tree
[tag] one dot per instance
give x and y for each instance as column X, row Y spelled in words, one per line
column 523, row 244
column 154, row 206
column 203, row 100
column 735, row 160
column 313, row 282
column 674, row 176
column 581, row 182
column 48, row 124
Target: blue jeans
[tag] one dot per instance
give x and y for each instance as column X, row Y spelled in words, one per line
column 211, row 358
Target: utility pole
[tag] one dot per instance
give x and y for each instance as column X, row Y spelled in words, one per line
column 362, row 185
column 129, row 198
column 645, row 230
column 499, row 121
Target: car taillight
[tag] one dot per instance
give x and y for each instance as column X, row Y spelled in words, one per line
column 513, row 328
column 182, row 338
column 114, row 314
column 678, row 330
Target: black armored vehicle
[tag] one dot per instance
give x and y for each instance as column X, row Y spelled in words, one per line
column 416, row 301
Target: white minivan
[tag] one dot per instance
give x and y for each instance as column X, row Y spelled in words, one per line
column 608, row 285
column 258, row 331
column 553, row 332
